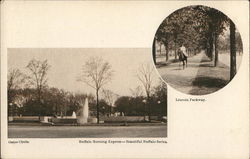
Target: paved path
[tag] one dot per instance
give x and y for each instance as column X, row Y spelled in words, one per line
column 86, row 131
column 199, row 78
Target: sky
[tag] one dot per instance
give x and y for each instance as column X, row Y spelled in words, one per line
column 66, row 66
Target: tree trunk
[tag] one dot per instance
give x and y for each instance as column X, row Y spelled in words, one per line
column 149, row 108
column 211, row 44
column 110, row 110
column 232, row 51
column 97, row 106
column 207, row 48
column 166, row 48
column 216, row 59
column 154, row 51
column 175, row 47
column 39, row 102
column 145, row 110
column 160, row 47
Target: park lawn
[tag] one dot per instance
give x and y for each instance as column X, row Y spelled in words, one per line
column 210, row 79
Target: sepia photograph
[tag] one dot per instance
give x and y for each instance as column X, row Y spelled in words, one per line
column 84, row 93
column 124, row 79
column 197, row 50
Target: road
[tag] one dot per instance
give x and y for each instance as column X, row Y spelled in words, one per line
column 86, row 131
column 199, row 78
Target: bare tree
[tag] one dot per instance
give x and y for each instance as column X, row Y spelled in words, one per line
column 109, row 97
column 96, row 73
column 137, row 91
column 38, row 77
column 145, row 75
column 15, row 79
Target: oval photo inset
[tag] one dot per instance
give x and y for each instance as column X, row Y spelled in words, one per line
column 197, row 50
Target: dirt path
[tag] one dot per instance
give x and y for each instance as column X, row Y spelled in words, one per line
column 200, row 77
column 179, row 78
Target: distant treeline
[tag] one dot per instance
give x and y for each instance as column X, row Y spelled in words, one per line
column 58, row 102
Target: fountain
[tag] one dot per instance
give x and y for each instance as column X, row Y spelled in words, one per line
column 83, row 113
column 73, row 115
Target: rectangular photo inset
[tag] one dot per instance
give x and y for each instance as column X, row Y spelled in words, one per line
column 85, row 93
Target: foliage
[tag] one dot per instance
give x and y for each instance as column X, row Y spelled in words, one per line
column 109, row 98
column 224, row 42
column 104, row 107
column 130, row 106
column 54, row 102
column 135, row 105
column 159, row 100
column 196, row 27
